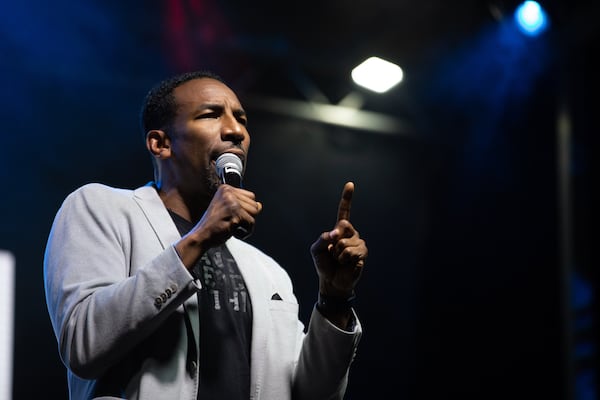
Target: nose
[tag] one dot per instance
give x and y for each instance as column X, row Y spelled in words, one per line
column 233, row 130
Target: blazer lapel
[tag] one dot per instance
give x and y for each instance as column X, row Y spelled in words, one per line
column 166, row 231
column 259, row 294
column 157, row 215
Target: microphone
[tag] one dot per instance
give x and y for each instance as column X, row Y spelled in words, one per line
column 229, row 169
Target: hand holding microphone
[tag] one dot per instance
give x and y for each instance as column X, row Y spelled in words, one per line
column 229, row 169
column 230, row 212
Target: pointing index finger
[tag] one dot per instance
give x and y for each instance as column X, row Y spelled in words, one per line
column 345, row 202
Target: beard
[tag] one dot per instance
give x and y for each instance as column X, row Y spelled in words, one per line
column 211, row 181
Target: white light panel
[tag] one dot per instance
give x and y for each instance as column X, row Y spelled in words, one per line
column 7, row 289
column 377, row 74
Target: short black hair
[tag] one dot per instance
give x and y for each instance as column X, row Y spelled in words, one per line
column 159, row 107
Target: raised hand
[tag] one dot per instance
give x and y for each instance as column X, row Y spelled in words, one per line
column 339, row 255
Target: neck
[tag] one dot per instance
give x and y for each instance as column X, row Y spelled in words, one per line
column 188, row 207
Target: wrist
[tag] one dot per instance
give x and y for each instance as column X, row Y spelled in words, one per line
column 335, row 304
column 330, row 289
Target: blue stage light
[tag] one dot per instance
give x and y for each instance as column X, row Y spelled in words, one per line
column 531, row 18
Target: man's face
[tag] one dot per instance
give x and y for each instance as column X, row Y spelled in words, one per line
column 209, row 122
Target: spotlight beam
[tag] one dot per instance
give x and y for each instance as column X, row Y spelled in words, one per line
column 332, row 114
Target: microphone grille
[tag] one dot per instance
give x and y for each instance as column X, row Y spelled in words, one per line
column 228, row 162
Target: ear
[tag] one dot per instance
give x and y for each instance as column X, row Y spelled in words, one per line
column 158, row 143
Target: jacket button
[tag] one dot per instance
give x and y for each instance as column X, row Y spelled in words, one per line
column 158, row 302
column 163, row 297
column 169, row 293
column 174, row 288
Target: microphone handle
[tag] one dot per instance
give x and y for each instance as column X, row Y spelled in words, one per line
column 234, row 179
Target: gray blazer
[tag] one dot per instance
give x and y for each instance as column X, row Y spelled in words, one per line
column 125, row 315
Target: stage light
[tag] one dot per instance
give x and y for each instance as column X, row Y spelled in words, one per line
column 7, row 283
column 377, row 74
column 531, row 18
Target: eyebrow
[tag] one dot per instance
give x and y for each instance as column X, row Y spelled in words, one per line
column 240, row 112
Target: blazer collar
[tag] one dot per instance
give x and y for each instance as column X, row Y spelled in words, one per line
column 157, row 214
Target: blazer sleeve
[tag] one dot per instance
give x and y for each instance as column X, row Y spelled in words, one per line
column 101, row 303
column 325, row 359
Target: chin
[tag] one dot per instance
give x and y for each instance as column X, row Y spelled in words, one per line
column 212, row 183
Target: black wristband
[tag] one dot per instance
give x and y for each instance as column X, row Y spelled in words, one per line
column 335, row 304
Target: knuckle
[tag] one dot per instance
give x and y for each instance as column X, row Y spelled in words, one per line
column 344, row 223
column 346, row 253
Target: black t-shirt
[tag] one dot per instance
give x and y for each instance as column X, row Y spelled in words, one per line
column 225, row 323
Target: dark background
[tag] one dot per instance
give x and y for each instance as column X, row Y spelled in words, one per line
column 479, row 210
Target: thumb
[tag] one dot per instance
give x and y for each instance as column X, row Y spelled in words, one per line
column 324, row 242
